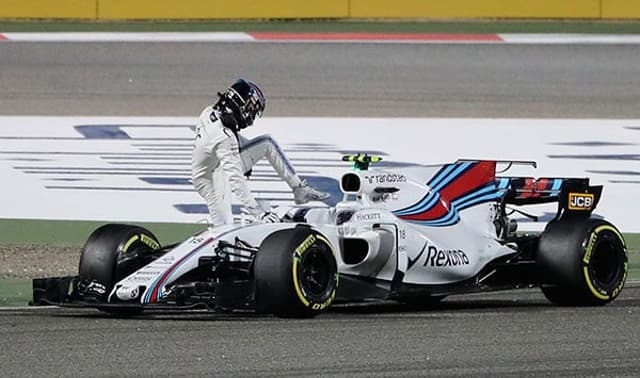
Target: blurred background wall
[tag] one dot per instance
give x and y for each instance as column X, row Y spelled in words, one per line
column 331, row 9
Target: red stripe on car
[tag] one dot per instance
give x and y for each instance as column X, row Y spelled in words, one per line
column 167, row 273
column 476, row 177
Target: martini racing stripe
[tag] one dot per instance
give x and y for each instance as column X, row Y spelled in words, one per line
column 459, row 170
column 444, row 177
column 425, row 203
column 472, row 178
column 153, row 292
column 471, row 200
column 456, row 187
column 489, row 193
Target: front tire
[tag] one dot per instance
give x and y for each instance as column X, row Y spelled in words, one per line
column 583, row 262
column 111, row 253
column 296, row 273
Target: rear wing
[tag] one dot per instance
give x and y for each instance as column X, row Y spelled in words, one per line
column 528, row 190
column 574, row 195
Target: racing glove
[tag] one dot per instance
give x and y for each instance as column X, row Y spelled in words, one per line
column 269, row 217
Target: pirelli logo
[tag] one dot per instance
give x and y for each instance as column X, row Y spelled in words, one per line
column 581, row 201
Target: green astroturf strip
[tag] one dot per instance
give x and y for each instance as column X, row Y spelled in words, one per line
column 21, row 231
column 61, row 232
column 477, row 26
column 633, row 242
column 15, row 292
column 633, row 246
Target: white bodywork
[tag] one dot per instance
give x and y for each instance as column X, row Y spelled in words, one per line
column 370, row 230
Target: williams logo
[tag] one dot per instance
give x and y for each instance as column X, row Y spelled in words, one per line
column 581, row 201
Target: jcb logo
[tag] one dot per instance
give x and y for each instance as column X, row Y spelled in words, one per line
column 581, row 201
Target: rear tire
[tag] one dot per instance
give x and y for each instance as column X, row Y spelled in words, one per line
column 583, row 262
column 296, row 273
column 111, row 253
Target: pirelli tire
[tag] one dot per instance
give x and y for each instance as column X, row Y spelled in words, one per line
column 296, row 273
column 583, row 262
column 112, row 252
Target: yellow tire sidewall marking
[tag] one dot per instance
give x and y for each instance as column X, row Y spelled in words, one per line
column 149, row 242
column 131, row 240
column 587, row 258
column 594, row 291
column 297, row 256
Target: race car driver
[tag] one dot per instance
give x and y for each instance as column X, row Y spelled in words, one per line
column 221, row 156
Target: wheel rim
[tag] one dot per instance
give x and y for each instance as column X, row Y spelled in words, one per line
column 315, row 267
column 607, row 263
column 134, row 253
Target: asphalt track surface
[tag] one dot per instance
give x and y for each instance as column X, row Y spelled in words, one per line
column 503, row 334
column 515, row 333
column 323, row 79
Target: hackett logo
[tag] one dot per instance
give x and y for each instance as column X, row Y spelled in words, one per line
column 581, row 201
column 368, row 216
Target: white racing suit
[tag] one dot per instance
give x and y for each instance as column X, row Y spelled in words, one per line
column 217, row 163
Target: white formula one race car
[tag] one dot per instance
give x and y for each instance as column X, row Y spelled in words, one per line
column 413, row 234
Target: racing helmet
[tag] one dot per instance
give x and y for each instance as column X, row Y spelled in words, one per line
column 240, row 105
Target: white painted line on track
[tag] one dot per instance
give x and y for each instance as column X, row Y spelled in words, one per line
column 138, row 168
column 572, row 39
column 128, row 37
column 404, row 38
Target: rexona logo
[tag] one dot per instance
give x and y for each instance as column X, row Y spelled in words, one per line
column 581, row 201
column 445, row 257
